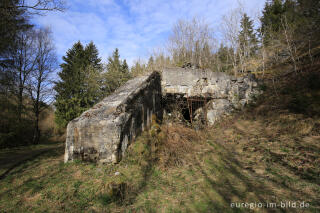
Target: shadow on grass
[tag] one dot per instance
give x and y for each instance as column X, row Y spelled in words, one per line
column 23, row 159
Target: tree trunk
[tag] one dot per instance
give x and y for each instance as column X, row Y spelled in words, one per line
column 20, row 102
column 36, row 134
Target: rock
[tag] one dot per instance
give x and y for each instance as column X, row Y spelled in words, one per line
column 240, row 80
column 117, row 173
column 217, row 108
column 103, row 133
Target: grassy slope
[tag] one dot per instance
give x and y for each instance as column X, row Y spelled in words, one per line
column 268, row 153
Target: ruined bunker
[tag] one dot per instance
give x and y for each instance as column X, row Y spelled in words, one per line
column 103, row 133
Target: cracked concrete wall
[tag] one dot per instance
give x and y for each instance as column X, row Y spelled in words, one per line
column 103, row 133
column 225, row 92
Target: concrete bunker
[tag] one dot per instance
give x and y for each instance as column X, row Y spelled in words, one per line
column 203, row 96
column 103, row 133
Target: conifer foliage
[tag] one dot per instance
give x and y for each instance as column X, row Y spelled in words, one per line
column 84, row 80
column 117, row 72
column 80, row 82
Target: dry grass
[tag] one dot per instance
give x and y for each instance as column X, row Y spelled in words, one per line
column 177, row 143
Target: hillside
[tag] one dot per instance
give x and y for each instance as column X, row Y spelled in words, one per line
column 269, row 153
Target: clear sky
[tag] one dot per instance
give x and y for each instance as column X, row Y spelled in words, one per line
column 136, row 27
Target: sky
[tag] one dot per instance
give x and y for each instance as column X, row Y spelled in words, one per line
column 135, row 27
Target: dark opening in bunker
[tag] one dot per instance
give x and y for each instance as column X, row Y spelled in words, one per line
column 188, row 109
column 186, row 114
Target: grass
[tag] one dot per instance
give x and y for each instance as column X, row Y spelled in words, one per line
column 268, row 153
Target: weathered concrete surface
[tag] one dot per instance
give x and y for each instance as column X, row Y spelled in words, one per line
column 225, row 92
column 204, row 83
column 102, row 133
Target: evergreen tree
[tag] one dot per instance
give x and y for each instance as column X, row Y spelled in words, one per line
column 224, row 60
column 114, row 63
column 247, row 37
column 92, row 56
column 309, row 14
column 271, row 18
column 117, row 72
column 12, row 22
column 247, row 42
column 125, row 69
column 138, row 68
column 150, row 63
column 79, row 86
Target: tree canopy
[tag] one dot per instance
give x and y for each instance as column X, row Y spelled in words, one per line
column 79, row 85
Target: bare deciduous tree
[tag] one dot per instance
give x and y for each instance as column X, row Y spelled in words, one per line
column 23, row 63
column 36, row 7
column 39, row 85
column 191, row 42
column 288, row 33
column 230, row 30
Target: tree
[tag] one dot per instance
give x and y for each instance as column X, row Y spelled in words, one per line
column 16, row 125
column 191, row 42
column 14, row 20
column 304, row 17
column 288, row 32
column 247, row 41
column 230, row 31
column 117, row 72
column 139, row 68
column 125, row 69
column 92, row 69
column 39, row 86
column 76, row 91
column 35, row 7
column 18, row 61
column 271, row 19
column 222, row 60
column 308, row 11
column 150, row 65
column 23, row 60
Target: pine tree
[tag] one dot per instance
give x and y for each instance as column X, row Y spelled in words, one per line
column 224, row 60
column 271, row 18
column 138, row 68
column 150, row 65
column 79, row 86
column 13, row 21
column 247, row 37
column 92, row 56
column 247, row 42
column 309, row 14
column 117, row 72
column 125, row 69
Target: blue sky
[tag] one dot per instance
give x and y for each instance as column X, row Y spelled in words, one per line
column 136, row 27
